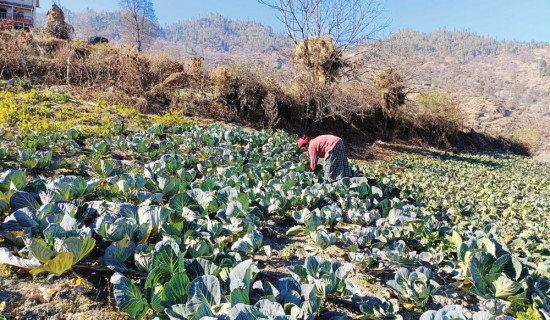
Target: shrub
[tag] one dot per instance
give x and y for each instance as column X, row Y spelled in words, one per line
column 438, row 109
column 529, row 136
column 23, row 83
column 271, row 110
column 249, row 94
column 313, row 103
column 222, row 83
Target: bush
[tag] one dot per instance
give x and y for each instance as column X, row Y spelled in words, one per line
column 314, row 102
column 391, row 91
column 529, row 136
column 249, row 94
column 438, row 109
column 223, row 84
column 23, row 83
column 271, row 110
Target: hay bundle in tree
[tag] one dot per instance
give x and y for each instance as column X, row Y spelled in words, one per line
column 56, row 25
column 391, row 88
column 222, row 82
column 392, row 95
column 320, row 55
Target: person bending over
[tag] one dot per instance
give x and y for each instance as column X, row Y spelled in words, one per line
column 332, row 149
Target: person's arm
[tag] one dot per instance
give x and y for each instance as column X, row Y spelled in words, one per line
column 313, row 158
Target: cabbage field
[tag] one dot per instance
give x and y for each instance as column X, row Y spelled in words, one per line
column 191, row 222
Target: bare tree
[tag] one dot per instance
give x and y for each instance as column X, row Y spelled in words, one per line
column 347, row 22
column 322, row 31
column 140, row 21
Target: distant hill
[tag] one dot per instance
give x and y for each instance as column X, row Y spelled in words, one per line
column 502, row 87
column 223, row 34
column 221, row 40
column 88, row 23
column 459, row 44
column 217, row 38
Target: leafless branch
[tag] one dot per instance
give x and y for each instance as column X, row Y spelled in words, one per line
column 139, row 17
column 349, row 22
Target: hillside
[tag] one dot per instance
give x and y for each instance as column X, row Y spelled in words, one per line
column 219, row 33
column 218, row 39
column 221, row 40
column 88, row 23
column 501, row 87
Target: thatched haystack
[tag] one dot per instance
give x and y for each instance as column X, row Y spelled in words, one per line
column 320, row 54
column 56, row 25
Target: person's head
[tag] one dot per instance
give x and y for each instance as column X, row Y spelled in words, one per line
column 303, row 143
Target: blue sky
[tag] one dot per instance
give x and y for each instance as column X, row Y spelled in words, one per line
column 502, row 19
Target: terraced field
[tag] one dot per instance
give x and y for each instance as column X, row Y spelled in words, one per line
column 158, row 219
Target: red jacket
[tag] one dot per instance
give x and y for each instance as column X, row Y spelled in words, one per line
column 321, row 147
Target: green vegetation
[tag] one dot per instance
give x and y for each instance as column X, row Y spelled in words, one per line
column 456, row 312
column 438, row 109
column 376, row 308
column 529, row 135
column 505, row 194
column 47, row 113
column 415, row 287
column 289, row 251
column 182, row 217
column 530, row 314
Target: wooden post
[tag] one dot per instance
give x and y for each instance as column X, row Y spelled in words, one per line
column 68, row 77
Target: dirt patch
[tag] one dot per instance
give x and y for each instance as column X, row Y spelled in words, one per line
column 60, row 298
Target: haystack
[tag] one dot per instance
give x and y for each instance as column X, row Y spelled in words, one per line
column 320, row 54
column 391, row 87
column 56, row 25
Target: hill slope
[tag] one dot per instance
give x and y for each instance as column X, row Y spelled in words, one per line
column 502, row 87
column 223, row 34
column 222, row 40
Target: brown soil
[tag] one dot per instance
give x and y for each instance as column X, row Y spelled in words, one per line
column 25, row 299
